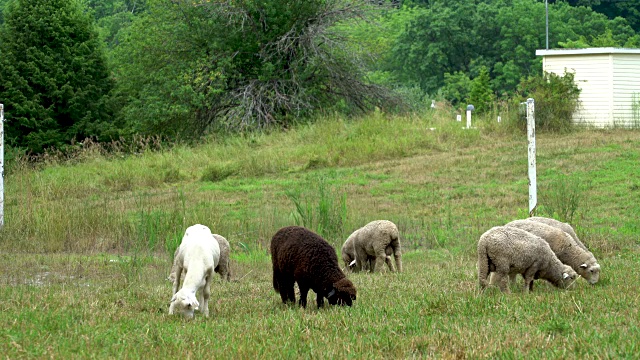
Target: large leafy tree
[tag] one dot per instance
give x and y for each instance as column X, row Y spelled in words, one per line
column 54, row 81
column 188, row 66
column 628, row 9
column 501, row 35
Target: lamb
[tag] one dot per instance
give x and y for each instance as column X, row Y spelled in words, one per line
column 565, row 248
column 349, row 255
column 197, row 255
column 371, row 241
column 223, row 268
column 508, row 250
column 304, row 257
column 560, row 225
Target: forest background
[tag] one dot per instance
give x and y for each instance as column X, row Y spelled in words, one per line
column 176, row 69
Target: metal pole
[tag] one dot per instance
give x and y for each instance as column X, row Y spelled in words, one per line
column 1, row 166
column 531, row 137
column 546, row 12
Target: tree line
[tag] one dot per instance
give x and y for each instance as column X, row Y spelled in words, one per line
column 111, row 69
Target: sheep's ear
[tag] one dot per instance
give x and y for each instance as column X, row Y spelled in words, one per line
column 173, row 298
column 584, row 266
column 352, row 263
column 565, row 275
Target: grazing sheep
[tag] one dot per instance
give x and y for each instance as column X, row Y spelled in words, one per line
column 371, row 242
column 560, row 225
column 508, row 251
column 197, row 255
column 303, row 257
column 349, row 255
column 223, row 268
column 565, row 248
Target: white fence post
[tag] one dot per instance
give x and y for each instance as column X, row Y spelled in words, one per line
column 531, row 137
column 1, row 166
column 470, row 108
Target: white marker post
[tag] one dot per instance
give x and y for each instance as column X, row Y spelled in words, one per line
column 1, row 166
column 531, row 137
column 470, row 108
column 459, row 118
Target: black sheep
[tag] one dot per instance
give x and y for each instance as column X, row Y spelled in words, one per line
column 302, row 256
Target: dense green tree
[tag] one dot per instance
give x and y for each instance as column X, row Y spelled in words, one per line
column 502, row 35
column 457, row 87
column 188, row 66
column 628, row 9
column 54, row 81
column 114, row 15
column 480, row 94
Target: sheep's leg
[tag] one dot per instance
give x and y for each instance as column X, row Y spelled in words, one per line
column 361, row 259
column 387, row 260
column 320, row 300
column 380, row 260
column 397, row 254
column 501, row 279
column 176, row 281
column 398, row 258
column 286, row 289
column 304, row 290
column 528, row 280
column 206, row 293
column 174, row 266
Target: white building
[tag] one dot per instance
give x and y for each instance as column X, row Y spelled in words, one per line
column 609, row 79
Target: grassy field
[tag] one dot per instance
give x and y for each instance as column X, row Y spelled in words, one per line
column 87, row 243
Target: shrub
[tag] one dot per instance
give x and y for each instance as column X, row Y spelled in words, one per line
column 556, row 100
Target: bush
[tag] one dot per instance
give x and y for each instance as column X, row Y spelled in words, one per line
column 556, row 100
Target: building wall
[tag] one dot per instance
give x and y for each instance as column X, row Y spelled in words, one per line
column 593, row 75
column 626, row 90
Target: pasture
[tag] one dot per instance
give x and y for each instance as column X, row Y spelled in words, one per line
column 87, row 244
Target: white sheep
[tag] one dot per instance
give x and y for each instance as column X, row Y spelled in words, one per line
column 565, row 248
column 509, row 251
column 224, row 266
column 371, row 241
column 349, row 255
column 560, row 225
column 198, row 255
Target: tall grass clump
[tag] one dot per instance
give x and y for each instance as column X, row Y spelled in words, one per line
column 562, row 196
column 321, row 208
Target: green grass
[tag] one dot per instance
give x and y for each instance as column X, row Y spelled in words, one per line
column 87, row 244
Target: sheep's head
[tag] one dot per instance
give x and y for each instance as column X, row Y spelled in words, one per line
column 343, row 293
column 591, row 272
column 568, row 276
column 183, row 304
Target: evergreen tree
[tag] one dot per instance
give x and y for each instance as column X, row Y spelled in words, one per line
column 54, row 80
column 481, row 95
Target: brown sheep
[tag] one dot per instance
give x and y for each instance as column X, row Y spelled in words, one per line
column 304, row 257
